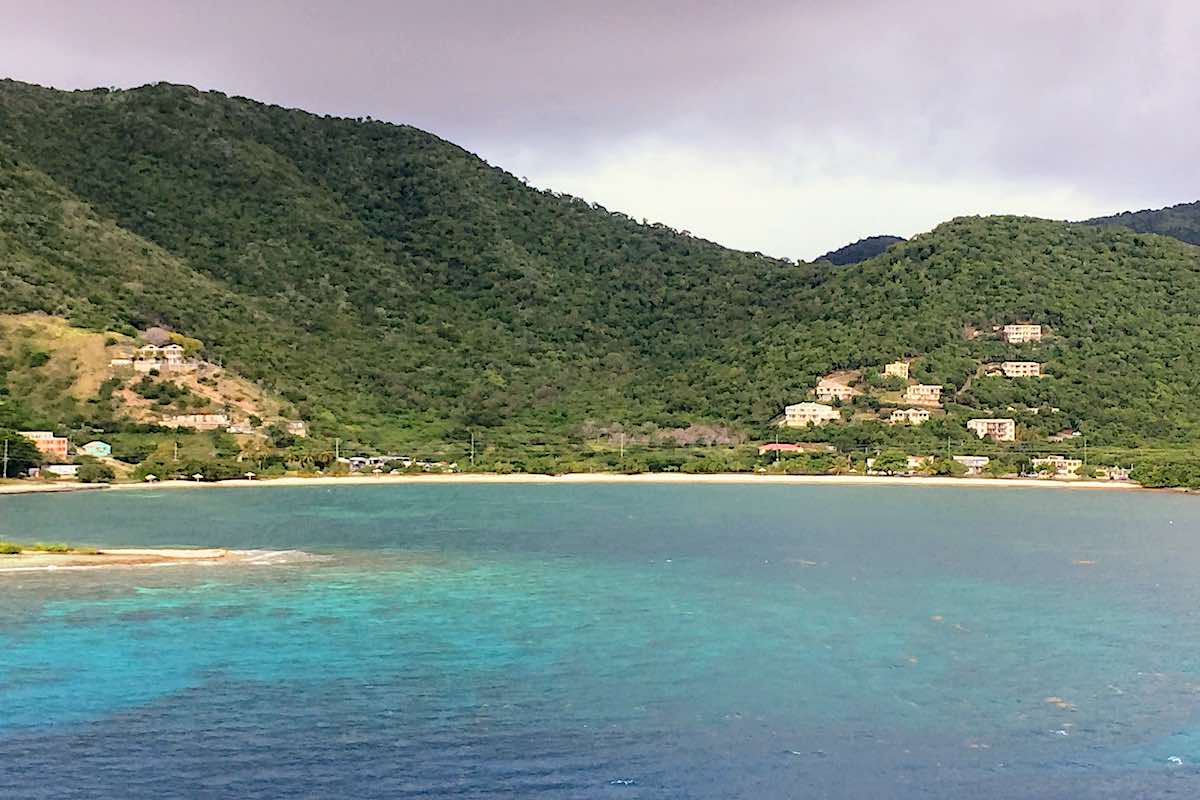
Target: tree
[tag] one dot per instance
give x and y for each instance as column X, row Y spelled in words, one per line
column 891, row 461
column 95, row 472
column 22, row 455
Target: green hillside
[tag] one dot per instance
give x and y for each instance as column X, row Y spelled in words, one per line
column 860, row 251
column 1181, row 221
column 402, row 293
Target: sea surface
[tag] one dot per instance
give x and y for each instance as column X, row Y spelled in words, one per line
column 540, row 641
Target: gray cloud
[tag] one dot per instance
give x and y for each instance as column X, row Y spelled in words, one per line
column 1097, row 99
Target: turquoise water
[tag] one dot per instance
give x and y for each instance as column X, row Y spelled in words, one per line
column 608, row 641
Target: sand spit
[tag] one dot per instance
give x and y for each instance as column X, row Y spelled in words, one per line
column 37, row 561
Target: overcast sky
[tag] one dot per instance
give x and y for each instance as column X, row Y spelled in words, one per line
column 786, row 127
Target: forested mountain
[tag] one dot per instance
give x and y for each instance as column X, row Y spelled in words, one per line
column 1181, row 221
column 860, row 251
column 397, row 289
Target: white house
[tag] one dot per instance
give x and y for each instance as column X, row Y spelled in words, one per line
column 974, row 464
column 1001, row 430
column 912, row 416
column 1019, row 333
column 799, row 415
column 1021, row 369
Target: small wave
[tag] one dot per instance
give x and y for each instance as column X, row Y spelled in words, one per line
column 266, row 557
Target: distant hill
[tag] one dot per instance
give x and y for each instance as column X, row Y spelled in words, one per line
column 860, row 251
column 1181, row 221
column 396, row 291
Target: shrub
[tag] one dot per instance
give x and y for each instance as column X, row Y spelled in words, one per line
column 95, row 472
column 9, row 548
column 50, row 547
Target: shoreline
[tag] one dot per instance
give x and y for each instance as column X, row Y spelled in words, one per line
column 38, row 561
column 648, row 478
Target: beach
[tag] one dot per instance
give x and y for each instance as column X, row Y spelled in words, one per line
column 674, row 478
column 38, row 561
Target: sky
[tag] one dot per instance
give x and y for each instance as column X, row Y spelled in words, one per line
column 788, row 128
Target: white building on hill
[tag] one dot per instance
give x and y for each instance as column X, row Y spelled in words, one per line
column 798, row 415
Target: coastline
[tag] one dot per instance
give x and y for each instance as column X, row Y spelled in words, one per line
column 649, row 478
column 37, row 561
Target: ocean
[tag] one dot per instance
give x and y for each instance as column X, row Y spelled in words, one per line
column 608, row 641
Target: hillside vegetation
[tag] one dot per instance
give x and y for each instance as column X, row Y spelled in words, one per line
column 1181, row 221
column 402, row 293
column 860, row 251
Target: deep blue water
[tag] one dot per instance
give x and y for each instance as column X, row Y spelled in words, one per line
column 608, row 641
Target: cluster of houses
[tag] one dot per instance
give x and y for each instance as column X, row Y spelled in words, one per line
column 920, row 397
column 57, row 450
column 148, row 357
column 1055, row 465
column 381, row 464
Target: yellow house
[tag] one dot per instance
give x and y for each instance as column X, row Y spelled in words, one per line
column 923, row 393
column 896, row 369
column 1061, row 465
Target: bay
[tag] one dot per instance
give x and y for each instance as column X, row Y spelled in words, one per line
column 608, row 641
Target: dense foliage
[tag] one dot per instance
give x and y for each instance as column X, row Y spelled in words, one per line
column 860, row 251
column 1181, row 221
column 402, row 293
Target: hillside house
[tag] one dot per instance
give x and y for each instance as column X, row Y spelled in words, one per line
column 201, row 422
column 1021, row 332
column 172, row 354
column 896, row 369
column 828, row 390
column 974, row 464
column 798, row 415
column 120, row 361
column 1065, row 467
column 1001, row 430
column 48, row 444
column 96, row 449
column 923, row 393
column 910, row 416
column 149, row 351
column 297, row 428
column 1021, row 369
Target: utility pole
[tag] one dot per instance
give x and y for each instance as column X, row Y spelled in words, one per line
column 1085, row 452
column 337, row 448
column 622, row 445
column 175, row 456
column 6, row 458
column 472, row 448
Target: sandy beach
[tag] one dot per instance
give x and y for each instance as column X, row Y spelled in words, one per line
column 675, row 478
column 37, row 561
